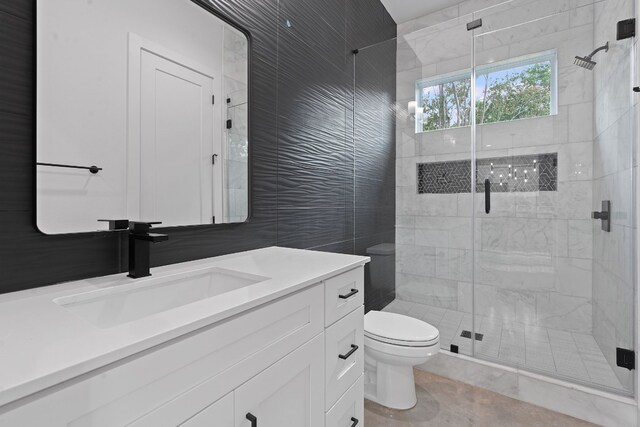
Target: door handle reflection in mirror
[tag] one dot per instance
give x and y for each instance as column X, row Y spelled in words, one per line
column 349, row 353
column 350, row 294
column 253, row 419
column 355, row 421
column 487, row 196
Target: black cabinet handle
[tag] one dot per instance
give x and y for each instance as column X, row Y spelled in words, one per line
column 355, row 421
column 350, row 294
column 487, row 196
column 349, row 353
column 253, row 419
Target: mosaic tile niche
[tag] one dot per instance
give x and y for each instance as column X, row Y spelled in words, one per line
column 536, row 172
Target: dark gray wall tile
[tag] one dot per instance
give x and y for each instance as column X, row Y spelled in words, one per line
column 20, row 9
column 300, row 185
column 16, row 65
column 16, row 155
column 306, row 27
column 305, row 228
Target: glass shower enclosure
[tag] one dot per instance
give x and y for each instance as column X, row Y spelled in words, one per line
column 515, row 219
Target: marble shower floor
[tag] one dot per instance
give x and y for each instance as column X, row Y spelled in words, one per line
column 568, row 355
column 443, row 402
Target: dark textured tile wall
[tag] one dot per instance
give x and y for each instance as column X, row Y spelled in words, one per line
column 306, row 192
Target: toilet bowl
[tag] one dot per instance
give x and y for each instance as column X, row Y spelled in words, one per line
column 393, row 345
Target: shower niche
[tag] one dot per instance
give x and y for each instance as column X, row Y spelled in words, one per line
column 535, row 172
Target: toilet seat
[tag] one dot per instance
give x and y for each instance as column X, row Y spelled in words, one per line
column 399, row 330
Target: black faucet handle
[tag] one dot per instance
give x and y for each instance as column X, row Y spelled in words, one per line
column 142, row 226
column 116, row 224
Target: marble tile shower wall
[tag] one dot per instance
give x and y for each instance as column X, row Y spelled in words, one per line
column 302, row 151
column 615, row 166
column 534, row 258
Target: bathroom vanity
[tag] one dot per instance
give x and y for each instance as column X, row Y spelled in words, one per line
column 271, row 337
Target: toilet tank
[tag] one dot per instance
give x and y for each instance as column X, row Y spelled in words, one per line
column 382, row 266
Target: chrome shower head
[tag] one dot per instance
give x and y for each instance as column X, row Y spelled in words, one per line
column 587, row 62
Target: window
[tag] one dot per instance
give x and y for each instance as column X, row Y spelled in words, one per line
column 510, row 90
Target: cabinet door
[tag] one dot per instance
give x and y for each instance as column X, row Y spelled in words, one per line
column 290, row 393
column 219, row 414
column 181, row 412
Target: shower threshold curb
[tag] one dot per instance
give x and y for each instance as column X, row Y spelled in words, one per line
column 586, row 403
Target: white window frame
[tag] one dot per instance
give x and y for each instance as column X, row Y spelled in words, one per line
column 534, row 58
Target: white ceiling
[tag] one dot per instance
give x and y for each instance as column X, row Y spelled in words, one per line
column 406, row 10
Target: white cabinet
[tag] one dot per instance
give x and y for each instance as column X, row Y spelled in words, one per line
column 180, row 412
column 271, row 362
column 344, row 354
column 349, row 410
column 288, row 394
column 219, row 414
column 343, row 294
column 344, row 349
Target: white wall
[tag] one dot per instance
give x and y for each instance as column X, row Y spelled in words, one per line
column 82, row 97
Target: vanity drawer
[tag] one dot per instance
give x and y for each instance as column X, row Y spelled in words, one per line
column 349, row 410
column 343, row 293
column 344, row 354
column 216, row 359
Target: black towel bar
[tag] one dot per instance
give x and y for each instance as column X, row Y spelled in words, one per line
column 93, row 169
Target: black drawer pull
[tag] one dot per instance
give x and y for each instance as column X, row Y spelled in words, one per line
column 355, row 421
column 350, row 294
column 253, row 419
column 349, row 353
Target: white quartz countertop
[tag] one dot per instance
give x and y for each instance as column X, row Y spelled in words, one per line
column 43, row 344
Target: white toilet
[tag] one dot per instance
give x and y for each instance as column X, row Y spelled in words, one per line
column 393, row 345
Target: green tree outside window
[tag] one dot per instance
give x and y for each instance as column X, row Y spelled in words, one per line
column 516, row 93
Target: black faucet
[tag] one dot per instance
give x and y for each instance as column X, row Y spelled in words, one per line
column 139, row 247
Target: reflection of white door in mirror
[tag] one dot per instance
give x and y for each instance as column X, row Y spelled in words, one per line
column 173, row 176
column 127, row 86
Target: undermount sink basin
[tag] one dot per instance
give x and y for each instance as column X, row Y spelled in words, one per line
column 141, row 298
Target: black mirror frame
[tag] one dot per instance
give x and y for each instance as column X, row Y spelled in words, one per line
column 207, row 6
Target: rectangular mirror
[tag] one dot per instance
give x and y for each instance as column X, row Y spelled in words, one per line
column 142, row 113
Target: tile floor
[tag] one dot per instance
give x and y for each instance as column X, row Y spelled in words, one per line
column 569, row 355
column 443, row 402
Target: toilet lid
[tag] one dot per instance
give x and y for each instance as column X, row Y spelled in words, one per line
column 397, row 328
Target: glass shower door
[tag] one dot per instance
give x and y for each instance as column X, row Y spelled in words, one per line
column 553, row 291
column 433, row 181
